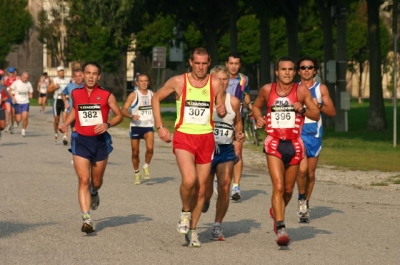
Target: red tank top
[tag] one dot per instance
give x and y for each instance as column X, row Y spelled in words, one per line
column 8, row 81
column 90, row 110
column 282, row 120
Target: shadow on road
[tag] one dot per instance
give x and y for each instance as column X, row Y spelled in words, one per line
column 9, row 228
column 115, row 221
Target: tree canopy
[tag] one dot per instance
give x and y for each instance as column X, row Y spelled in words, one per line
column 15, row 21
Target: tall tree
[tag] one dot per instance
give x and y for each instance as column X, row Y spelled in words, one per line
column 210, row 18
column 52, row 31
column 99, row 30
column 15, row 21
column 291, row 13
column 377, row 115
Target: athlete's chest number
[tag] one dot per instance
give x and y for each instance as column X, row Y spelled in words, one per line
column 282, row 116
column 221, row 132
column 196, row 111
column 146, row 112
column 89, row 114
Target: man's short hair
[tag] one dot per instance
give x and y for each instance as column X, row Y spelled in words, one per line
column 285, row 59
column 92, row 63
column 200, row 50
column 234, row 55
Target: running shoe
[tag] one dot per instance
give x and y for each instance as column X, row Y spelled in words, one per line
column 283, row 239
column 192, row 239
column 235, row 195
column 271, row 213
column 11, row 129
column 216, row 234
column 146, row 173
column 303, row 212
column 7, row 128
column 87, row 226
column 137, row 179
column 65, row 141
column 206, row 205
column 16, row 124
column 23, row 133
column 94, row 201
column 56, row 138
column 215, row 186
column 184, row 222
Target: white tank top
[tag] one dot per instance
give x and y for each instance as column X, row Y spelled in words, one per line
column 142, row 106
column 223, row 127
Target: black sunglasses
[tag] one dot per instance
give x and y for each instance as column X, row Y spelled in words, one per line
column 304, row 67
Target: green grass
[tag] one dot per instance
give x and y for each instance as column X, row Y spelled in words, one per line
column 359, row 148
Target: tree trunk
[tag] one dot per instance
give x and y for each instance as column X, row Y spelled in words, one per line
column 377, row 115
column 265, row 51
column 232, row 26
column 291, row 14
column 324, row 8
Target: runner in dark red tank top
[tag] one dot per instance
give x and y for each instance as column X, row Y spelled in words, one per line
column 91, row 143
column 283, row 146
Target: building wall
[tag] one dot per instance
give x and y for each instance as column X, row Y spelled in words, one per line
column 29, row 56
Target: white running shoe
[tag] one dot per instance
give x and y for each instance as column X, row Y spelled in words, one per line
column 184, row 222
column 137, row 179
column 87, row 226
column 65, row 141
column 192, row 239
column 235, row 195
column 146, row 173
column 23, row 133
column 303, row 212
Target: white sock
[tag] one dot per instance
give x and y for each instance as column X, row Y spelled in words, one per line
column 145, row 165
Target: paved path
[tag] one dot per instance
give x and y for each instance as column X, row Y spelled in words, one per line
column 40, row 217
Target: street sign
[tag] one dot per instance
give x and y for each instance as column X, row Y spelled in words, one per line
column 159, row 57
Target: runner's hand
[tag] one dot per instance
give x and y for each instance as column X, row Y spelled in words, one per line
column 221, row 110
column 164, row 134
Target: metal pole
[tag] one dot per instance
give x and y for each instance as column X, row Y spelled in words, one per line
column 158, row 76
column 395, row 13
column 340, row 120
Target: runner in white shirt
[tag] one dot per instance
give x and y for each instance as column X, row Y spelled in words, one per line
column 21, row 91
column 57, row 85
column 138, row 108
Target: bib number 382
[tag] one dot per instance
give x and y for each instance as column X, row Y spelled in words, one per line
column 90, row 114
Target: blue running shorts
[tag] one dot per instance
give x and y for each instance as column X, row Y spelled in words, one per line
column 223, row 153
column 312, row 144
column 93, row 148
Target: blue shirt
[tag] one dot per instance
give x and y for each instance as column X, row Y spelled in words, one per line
column 68, row 90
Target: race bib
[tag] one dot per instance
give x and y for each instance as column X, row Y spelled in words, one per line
column 223, row 133
column 197, row 112
column 145, row 113
column 89, row 114
column 283, row 116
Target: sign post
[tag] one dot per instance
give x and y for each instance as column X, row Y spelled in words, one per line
column 159, row 61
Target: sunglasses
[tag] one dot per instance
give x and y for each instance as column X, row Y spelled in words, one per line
column 304, row 67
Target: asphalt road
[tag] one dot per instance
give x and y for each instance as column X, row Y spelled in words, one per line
column 40, row 218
